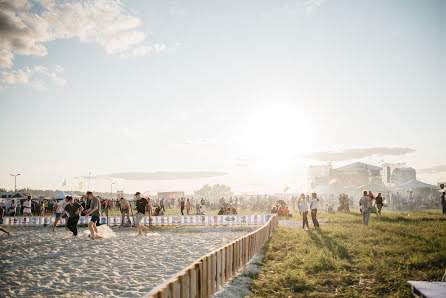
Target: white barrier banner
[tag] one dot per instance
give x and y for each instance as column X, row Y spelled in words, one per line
column 250, row 219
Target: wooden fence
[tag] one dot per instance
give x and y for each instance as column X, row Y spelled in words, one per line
column 208, row 275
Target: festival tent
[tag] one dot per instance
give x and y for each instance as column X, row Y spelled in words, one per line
column 59, row 196
column 73, row 195
column 415, row 184
column 372, row 187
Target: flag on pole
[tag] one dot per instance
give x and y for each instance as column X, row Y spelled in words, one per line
column 80, row 185
column 64, row 183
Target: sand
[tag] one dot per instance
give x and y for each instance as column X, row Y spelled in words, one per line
column 36, row 262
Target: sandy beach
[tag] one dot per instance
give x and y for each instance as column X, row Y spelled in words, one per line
column 37, row 262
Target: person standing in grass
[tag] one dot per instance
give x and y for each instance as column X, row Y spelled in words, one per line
column 443, row 198
column 313, row 205
column 304, row 209
column 379, row 204
column 365, row 204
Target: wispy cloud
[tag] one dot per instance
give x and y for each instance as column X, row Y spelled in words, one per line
column 433, row 170
column 164, row 175
column 37, row 77
column 357, row 153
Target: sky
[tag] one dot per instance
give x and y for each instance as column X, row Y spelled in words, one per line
column 171, row 95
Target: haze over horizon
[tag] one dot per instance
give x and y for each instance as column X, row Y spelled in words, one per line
column 163, row 96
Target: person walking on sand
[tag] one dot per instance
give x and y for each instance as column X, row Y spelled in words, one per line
column 304, row 209
column 365, row 204
column 379, row 204
column 60, row 208
column 125, row 207
column 95, row 211
column 443, row 198
column 73, row 209
column 313, row 205
column 141, row 204
column 2, row 212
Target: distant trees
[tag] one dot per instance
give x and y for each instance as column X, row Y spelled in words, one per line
column 214, row 192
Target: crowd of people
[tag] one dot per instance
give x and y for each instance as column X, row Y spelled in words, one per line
column 71, row 208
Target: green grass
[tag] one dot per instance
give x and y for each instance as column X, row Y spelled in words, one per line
column 346, row 258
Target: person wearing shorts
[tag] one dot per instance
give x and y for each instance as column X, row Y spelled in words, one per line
column 95, row 211
column 125, row 207
column 60, row 207
column 73, row 209
column 27, row 207
column 141, row 204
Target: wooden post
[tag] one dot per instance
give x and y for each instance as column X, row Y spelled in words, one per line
column 230, row 257
column 184, row 284
column 223, row 266
column 193, row 280
column 175, row 288
column 203, row 278
column 218, row 272
column 209, row 276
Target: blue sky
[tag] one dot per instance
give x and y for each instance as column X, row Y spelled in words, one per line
column 248, row 88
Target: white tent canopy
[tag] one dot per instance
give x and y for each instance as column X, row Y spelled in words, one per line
column 59, row 196
column 416, row 184
column 75, row 196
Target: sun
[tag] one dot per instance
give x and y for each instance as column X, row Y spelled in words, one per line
column 276, row 132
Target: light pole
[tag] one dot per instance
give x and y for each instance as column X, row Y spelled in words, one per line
column 15, row 181
column 111, row 190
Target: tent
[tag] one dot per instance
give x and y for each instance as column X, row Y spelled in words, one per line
column 73, row 195
column 372, row 187
column 59, row 196
column 414, row 184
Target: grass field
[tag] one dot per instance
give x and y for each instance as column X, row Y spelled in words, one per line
column 345, row 258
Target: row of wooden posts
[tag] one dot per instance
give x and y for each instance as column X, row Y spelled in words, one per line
column 208, row 275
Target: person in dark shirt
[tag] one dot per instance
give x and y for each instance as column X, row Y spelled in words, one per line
column 182, row 206
column 73, row 209
column 443, row 198
column 379, row 204
column 141, row 204
column 221, row 212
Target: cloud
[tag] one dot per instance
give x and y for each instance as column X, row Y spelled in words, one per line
column 311, row 5
column 433, row 170
column 37, row 77
column 27, row 25
column 243, row 162
column 164, row 175
column 357, row 153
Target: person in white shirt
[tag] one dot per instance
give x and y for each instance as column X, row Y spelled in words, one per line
column 365, row 204
column 60, row 209
column 313, row 205
column 303, row 206
column 27, row 207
